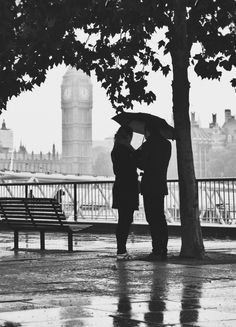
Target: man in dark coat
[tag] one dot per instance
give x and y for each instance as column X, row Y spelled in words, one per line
column 125, row 189
column 154, row 156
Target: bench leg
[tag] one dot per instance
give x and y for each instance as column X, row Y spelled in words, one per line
column 42, row 240
column 16, row 240
column 70, row 241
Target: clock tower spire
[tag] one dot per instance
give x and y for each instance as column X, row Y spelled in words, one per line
column 76, row 105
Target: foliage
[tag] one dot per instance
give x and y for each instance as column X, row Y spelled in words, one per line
column 122, row 41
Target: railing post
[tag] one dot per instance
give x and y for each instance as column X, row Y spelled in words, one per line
column 70, row 241
column 26, row 190
column 197, row 195
column 75, row 202
column 16, row 240
column 42, row 240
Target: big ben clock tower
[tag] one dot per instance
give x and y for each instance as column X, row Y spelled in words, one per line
column 76, row 104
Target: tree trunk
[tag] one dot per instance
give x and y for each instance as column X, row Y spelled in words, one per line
column 192, row 243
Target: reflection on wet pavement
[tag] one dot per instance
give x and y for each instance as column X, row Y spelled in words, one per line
column 89, row 288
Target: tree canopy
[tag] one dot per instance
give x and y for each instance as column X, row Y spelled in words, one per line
column 120, row 40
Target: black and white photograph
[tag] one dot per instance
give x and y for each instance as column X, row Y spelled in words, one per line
column 117, row 163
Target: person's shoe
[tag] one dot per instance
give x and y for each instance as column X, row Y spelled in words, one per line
column 124, row 257
column 156, row 257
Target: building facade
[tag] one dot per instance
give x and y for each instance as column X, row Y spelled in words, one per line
column 76, row 105
column 205, row 141
column 6, row 139
column 76, row 157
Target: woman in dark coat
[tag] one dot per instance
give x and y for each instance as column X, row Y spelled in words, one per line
column 125, row 189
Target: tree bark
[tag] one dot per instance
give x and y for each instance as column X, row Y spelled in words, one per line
column 192, row 242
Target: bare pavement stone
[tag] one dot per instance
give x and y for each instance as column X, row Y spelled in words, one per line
column 90, row 288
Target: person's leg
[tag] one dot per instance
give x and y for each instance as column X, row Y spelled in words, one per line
column 163, row 228
column 151, row 217
column 125, row 219
column 155, row 216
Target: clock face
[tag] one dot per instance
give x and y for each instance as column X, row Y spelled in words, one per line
column 67, row 93
column 83, row 93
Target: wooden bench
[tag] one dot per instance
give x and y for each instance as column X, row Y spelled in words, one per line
column 36, row 214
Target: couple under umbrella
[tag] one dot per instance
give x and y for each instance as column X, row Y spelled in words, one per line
column 152, row 158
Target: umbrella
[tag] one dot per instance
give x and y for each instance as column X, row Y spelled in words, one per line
column 138, row 120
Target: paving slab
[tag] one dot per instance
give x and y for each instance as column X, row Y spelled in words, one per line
column 90, row 288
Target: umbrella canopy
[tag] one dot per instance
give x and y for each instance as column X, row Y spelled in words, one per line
column 138, row 120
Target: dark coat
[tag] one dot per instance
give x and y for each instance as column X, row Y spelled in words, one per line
column 153, row 158
column 125, row 189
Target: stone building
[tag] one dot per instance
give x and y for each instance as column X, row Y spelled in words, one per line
column 201, row 145
column 6, row 139
column 21, row 160
column 76, row 157
column 205, row 141
column 229, row 128
column 76, row 105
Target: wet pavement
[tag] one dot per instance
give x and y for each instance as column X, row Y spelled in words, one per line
column 90, row 288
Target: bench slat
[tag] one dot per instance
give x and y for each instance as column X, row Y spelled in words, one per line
column 34, row 215
column 33, row 208
column 28, row 200
column 29, row 221
column 46, row 227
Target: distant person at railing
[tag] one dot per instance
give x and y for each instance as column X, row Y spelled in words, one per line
column 31, row 195
column 125, row 189
column 58, row 195
column 153, row 158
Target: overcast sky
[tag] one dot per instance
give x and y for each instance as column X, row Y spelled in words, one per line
column 35, row 117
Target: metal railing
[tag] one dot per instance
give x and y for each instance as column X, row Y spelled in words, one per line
column 92, row 201
column 217, row 201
